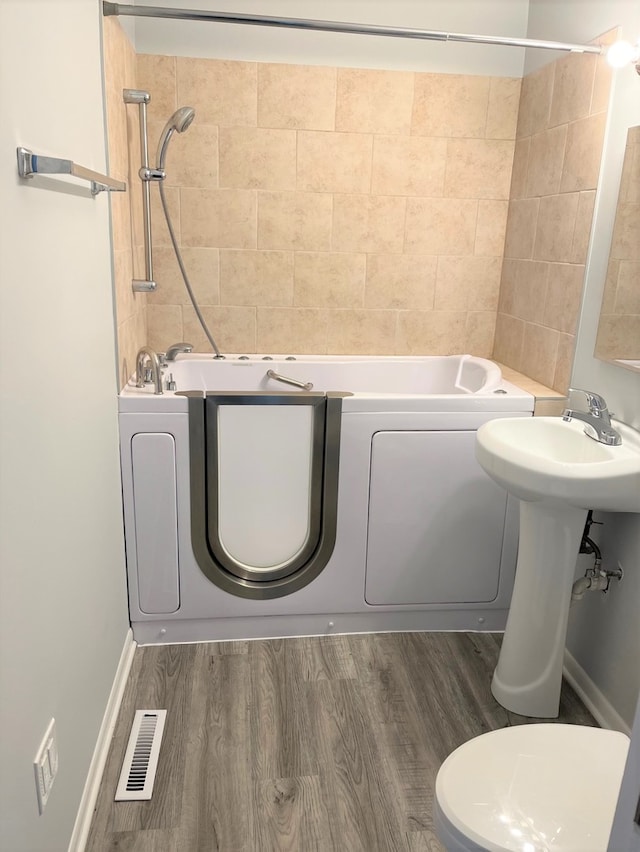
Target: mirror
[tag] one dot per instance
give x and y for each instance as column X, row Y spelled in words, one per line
column 618, row 339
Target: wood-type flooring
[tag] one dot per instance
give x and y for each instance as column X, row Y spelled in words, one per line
column 321, row 744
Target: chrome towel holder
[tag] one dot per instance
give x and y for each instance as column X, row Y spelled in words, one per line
column 30, row 164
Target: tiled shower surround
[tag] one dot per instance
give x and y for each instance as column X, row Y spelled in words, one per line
column 346, row 211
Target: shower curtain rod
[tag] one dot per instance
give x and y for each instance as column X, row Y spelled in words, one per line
column 337, row 27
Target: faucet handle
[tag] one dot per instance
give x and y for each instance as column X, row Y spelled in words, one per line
column 596, row 403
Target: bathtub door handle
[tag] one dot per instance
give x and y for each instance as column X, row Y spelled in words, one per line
column 288, row 381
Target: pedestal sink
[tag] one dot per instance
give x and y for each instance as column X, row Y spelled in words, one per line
column 558, row 473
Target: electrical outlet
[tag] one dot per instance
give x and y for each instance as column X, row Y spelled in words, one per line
column 45, row 765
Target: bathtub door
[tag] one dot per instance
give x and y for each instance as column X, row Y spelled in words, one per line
column 436, row 521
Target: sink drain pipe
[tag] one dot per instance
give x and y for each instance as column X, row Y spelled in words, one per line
column 595, row 579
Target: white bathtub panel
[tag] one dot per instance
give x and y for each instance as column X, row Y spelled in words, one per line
column 436, row 521
column 264, row 481
column 153, row 464
column 338, row 592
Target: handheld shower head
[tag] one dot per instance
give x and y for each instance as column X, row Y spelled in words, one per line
column 180, row 121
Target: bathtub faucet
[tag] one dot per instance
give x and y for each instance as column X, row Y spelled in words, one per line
column 176, row 349
column 146, row 354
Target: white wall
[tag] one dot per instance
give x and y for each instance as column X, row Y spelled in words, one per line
column 230, row 41
column 63, row 615
column 604, row 636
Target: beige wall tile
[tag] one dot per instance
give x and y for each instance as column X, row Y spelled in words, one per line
column 134, row 183
column 521, row 227
column 556, row 222
column 256, row 277
column 202, row 269
column 292, row 331
column 121, row 220
column 440, row 226
column 479, row 333
column 117, row 49
column 324, row 280
column 222, row 91
column 373, row 101
column 408, row 165
column 502, row 114
column 626, row 233
column 126, row 299
column 294, row 221
column 535, row 101
column 627, row 298
column 222, row 218
column 572, row 88
column 233, row 329
column 363, row 223
column 467, row 283
column 132, row 334
column 478, row 168
column 549, row 407
column 508, row 283
column 546, row 156
column 530, row 291
column 164, row 326
column 507, row 347
column 284, row 96
column 255, row 158
column 564, row 364
column 400, row 281
column 192, row 156
column 583, row 155
column 582, row 230
column 618, row 337
column 361, row 332
column 610, row 287
column 159, row 231
column 450, row 105
column 139, row 262
column 540, row 353
column 564, row 293
column 491, row 228
column 431, row 332
column 630, row 180
column 157, row 75
column 520, row 168
column 334, row 162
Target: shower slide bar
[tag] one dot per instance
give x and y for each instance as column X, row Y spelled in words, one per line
column 337, row 27
column 30, row 164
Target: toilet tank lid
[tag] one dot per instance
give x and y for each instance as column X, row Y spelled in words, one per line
column 535, row 787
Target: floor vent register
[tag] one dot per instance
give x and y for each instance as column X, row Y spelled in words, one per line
column 141, row 758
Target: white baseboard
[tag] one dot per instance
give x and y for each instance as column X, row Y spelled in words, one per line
column 600, row 707
column 96, row 767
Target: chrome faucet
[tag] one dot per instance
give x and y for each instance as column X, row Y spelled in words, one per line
column 596, row 418
column 175, row 349
column 146, row 354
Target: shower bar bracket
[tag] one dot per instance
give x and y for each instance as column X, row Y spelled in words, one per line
column 30, row 164
column 337, row 27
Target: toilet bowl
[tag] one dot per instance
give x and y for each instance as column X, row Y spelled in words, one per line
column 531, row 788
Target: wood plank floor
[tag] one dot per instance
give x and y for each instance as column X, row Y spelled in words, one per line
column 305, row 745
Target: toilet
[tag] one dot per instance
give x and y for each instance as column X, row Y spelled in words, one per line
column 531, row 788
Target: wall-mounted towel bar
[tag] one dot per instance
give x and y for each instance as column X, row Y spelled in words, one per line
column 30, row 164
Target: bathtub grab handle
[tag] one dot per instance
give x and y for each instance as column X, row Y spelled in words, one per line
column 288, row 381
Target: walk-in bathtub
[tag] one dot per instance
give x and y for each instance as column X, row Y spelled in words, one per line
column 273, row 496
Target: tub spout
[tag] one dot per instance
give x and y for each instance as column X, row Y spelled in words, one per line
column 176, row 348
column 146, row 354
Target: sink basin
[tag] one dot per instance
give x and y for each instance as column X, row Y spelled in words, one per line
column 552, row 460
